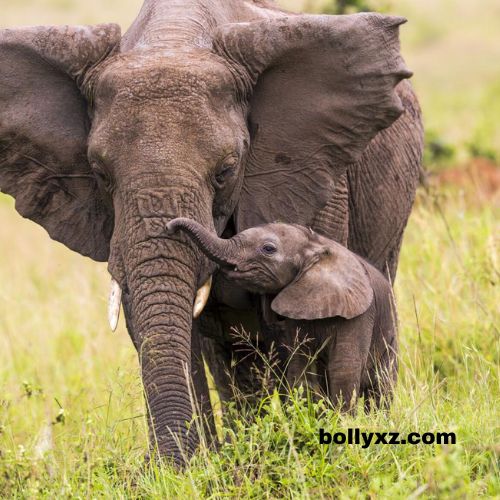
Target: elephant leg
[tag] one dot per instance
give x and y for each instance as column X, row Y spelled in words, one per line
column 291, row 346
column 297, row 357
column 216, row 352
column 306, row 362
column 343, row 371
column 344, row 383
column 200, row 386
column 297, row 368
column 230, row 349
column 382, row 376
column 230, row 330
column 217, row 355
column 255, row 352
column 347, row 359
column 382, row 186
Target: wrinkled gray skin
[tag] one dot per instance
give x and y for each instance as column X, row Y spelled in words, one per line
column 344, row 305
column 230, row 112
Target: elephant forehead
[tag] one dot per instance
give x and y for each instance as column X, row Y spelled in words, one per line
column 287, row 231
column 156, row 74
column 277, row 232
column 154, row 202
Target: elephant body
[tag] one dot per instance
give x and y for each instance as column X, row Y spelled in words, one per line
column 232, row 113
column 332, row 309
column 367, row 212
column 351, row 357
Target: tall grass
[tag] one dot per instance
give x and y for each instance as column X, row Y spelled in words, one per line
column 71, row 405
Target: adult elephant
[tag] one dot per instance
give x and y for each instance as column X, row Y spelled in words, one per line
column 231, row 113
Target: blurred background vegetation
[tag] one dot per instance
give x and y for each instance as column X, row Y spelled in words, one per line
column 72, row 419
column 453, row 47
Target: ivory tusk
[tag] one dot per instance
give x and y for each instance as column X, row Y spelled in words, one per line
column 201, row 298
column 115, row 300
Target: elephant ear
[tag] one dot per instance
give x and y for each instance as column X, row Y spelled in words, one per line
column 322, row 87
column 336, row 284
column 44, row 125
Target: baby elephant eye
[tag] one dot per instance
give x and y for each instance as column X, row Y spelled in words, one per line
column 269, row 248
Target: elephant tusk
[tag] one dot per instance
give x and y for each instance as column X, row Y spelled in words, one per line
column 201, row 298
column 115, row 300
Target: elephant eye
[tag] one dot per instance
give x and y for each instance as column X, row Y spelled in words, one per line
column 102, row 176
column 221, row 176
column 225, row 170
column 269, row 249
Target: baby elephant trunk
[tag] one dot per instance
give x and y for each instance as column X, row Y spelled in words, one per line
column 223, row 252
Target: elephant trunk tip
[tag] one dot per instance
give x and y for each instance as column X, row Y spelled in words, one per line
column 175, row 224
column 217, row 249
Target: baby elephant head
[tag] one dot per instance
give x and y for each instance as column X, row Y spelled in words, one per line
column 313, row 277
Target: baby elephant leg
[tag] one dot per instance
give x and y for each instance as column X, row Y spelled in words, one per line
column 305, row 354
column 383, row 372
column 347, row 358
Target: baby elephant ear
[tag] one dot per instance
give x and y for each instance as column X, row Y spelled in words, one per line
column 336, row 285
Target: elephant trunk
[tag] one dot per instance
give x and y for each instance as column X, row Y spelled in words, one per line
column 219, row 250
column 162, row 277
column 162, row 285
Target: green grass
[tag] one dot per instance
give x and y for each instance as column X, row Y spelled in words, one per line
column 67, row 383
column 71, row 406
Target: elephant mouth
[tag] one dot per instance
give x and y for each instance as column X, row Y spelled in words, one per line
column 241, row 275
column 232, row 270
column 228, row 268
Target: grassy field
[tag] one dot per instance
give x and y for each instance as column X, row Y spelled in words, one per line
column 71, row 407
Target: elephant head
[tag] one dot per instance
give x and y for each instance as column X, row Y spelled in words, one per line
column 104, row 139
column 313, row 277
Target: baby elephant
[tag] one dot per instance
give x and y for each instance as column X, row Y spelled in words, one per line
column 340, row 301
